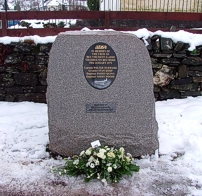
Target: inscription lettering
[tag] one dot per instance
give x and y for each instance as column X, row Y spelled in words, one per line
column 100, row 65
column 101, row 107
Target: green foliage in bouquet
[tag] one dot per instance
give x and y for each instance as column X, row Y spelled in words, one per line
column 104, row 163
column 93, row 4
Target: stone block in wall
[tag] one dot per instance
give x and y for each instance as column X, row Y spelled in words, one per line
column 192, row 61
column 29, row 59
column 23, row 47
column 45, row 47
column 24, row 67
column 179, row 46
column 26, row 79
column 10, row 98
column 185, row 87
column 1, row 47
column 191, row 93
column 197, row 79
column 35, row 97
column 164, row 76
column 149, row 46
column 194, row 73
column 182, row 81
column 11, row 69
column 34, row 89
column 157, row 66
column 155, row 42
column 157, row 89
column 42, row 60
column 169, row 94
column 170, row 61
column 13, row 59
column 166, row 43
column 2, row 98
column 8, row 83
column 14, row 90
column 2, row 92
column 198, row 68
column 182, row 71
column 4, row 77
column 37, row 68
column 194, row 54
column 161, row 55
column 43, row 77
column 2, row 69
column 179, row 55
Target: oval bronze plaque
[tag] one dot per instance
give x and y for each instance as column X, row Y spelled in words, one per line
column 100, row 65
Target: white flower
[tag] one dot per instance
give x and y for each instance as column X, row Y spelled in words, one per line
column 91, row 159
column 108, row 164
column 128, row 159
column 65, row 171
column 111, row 154
column 115, row 166
column 109, row 169
column 88, row 151
column 103, row 180
column 97, row 162
column 102, row 150
column 121, row 150
column 82, row 153
column 92, row 165
column 76, row 162
column 129, row 155
column 87, row 164
column 60, row 173
column 101, row 155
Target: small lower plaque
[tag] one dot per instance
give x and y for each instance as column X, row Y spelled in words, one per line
column 109, row 107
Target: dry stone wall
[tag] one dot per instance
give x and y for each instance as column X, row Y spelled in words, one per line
column 23, row 70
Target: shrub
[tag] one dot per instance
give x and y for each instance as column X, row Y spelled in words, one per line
column 93, row 4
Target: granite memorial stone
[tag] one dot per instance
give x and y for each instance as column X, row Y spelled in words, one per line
column 100, row 87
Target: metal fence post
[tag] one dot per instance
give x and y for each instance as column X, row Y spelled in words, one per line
column 107, row 20
column 4, row 24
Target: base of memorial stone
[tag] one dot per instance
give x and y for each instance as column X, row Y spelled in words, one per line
column 100, row 87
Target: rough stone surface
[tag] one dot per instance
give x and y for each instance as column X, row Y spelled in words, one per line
column 183, row 71
column 164, row 76
column 179, row 46
column 194, row 61
column 132, row 126
column 183, row 81
column 170, row 61
column 166, row 43
column 169, row 94
column 26, row 79
column 185, row 87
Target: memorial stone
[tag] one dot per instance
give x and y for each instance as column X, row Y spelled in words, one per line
column 100, row 87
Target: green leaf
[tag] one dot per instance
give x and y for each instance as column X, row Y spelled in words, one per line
column 134, row 168
column 128, row 173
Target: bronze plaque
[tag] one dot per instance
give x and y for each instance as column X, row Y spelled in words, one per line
column 100, row 65
column 109, row 107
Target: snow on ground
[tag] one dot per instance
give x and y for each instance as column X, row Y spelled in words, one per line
column 25, row 164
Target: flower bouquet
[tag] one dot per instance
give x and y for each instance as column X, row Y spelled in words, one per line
column 105, row 163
